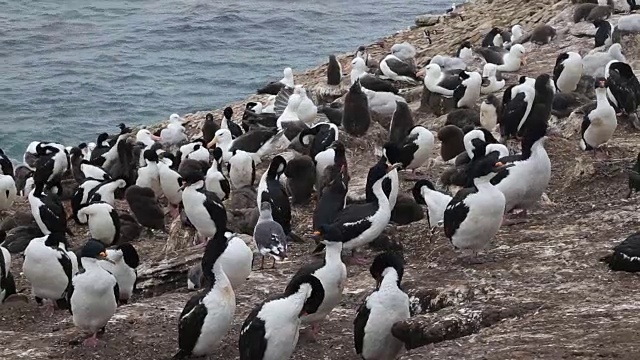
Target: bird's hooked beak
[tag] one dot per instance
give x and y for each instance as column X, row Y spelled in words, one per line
column 155, row 137
column 103, row 256
column 393, row 167
column 499, row 166
column 213, row 142
column 523, row 61
column 421, row 73
column 485, row 81
column 316, row 236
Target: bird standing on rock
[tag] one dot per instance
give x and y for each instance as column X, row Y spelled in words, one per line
column 269, row 236
column 145, row 208
column 598, row 125
column 207, row 316
column 356, row 117
column 331, row 272
column 387, row 305
column 271, row 189
column 258, row 339
column 360, row 224
column 124, row 261
column 203, row 208
column 474, row 215
column 49, row 268
column 94, row 294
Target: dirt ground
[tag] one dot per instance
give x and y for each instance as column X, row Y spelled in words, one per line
column 562, row 302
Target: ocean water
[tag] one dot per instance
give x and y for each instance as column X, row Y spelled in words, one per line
column 70, row 69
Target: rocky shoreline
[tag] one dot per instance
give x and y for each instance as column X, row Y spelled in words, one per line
column 543, row 293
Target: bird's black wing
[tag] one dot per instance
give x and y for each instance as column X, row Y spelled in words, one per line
column 492, row 55
column 115, row 219
column 116, row 291
column 359, row 323
column 401, row 68
column 512, row 115
column 456, row 211
column 323, row 139
column 214, row 206
column 67, row 266
column 226, row 188
column 6, row 167
column 8, row 284
column 557, row 69
column 252, row 141
column 252, row 343
column 271, row 88
column 450, row 82
column 280, row 203
column 3, row 269
column 624, row 95
column 353, row 220
column 70, row 290
column 458, row 93
column 293, row 128
column 374, row 83
column 191, row 321
column 235, row 129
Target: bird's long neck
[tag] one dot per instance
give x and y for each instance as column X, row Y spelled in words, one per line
column 196, row 185
column 379, row 193
column 89, row 263
column 482, row 183
column 601, row 96
column 389, row 279
column 266, row 215
column 332, row 254
column 296, row 301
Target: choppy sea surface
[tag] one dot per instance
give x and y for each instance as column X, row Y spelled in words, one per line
column 70, row 69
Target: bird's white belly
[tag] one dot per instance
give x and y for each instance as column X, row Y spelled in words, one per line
column 126, row 278
column 539, row 182
column 378, row 342
column 221, row 306
column 240, row 176
column 236, row 263
column 333, row 283
column 91, row 312
column 101, row 228
column 46, row 282
column 47, row 278
column 598, row 135
column 421, row 156
column 197, row 213
column 515, row 185
column 282, row 345
column 482, row 222
column 8, row 192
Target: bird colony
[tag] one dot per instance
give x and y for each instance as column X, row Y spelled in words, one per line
column 493, row 143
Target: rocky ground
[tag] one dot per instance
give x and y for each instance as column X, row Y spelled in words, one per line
column 541, row 293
